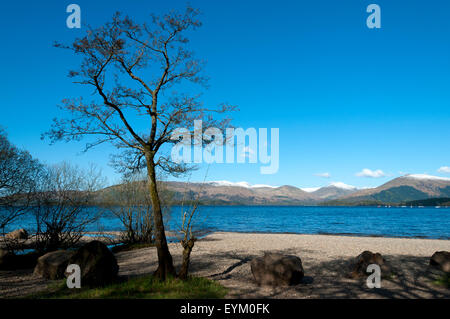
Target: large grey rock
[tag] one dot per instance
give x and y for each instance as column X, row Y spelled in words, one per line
column 7, row 260
column 275, row 269
column 366, row 258
column 53, row 264
column 18, row 234
column 441, row 260
column 97, row 263
column 11, row 261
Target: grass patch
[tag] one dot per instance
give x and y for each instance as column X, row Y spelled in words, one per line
column 443, row 280
column 146, row 287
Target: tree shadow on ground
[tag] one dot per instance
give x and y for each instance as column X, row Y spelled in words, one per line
column 16, row 283
column 413, row 278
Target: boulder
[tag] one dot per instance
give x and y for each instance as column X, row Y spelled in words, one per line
column 441, row 260
column 53, row 264
column 97, row 263
column 11, row 261
column 366, row 258
column 7, row 260
column 275, row 269
column 18, row 234
column 27, row 261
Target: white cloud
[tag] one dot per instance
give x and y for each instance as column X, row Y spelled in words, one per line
column 369, row 173
column 444, row 169
column 326, row 175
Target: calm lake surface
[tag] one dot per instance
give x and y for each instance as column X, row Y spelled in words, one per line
column 426, row 222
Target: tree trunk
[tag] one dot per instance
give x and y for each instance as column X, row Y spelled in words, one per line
column 187, row 245
column 165, row 262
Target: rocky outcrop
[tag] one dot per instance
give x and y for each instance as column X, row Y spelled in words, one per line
column 275, row 269
column 11, row 261
column 18, row 234
column 97, row 263
column 7, row 260
column 53, row 264
column 358, row 268
column 441, row 260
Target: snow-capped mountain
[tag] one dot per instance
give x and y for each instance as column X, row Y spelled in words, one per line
column 426, row 177
column 243, row 193
column 405, row 188
column 239, row 184
column 334, row 190
column 401, row 189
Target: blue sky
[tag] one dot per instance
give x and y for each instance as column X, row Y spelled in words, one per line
column 345, row 97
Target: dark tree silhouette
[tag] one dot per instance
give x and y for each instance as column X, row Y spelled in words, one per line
column 18, row 172
column 64, row 192
column 134, row 70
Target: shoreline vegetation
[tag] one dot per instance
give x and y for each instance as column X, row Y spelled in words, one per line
column 113, row 239
column 431, row 202
column 224, row 258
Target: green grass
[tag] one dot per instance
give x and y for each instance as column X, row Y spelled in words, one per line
column 145, row 287
column 443, row 280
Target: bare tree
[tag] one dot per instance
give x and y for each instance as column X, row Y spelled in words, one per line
column 61, row 205
column 18, row 172
column 187, row 241
column 134, row 70
column 131, row 203
column 188, row 235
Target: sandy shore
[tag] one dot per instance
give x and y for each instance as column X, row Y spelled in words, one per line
column 225, row 257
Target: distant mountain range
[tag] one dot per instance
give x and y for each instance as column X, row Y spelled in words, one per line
column 402, row 189
column 398, row 191
column 225, row 193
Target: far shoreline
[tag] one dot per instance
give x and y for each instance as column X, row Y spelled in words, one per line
column 171, row 235
column 205, row 233
column 324, row 234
